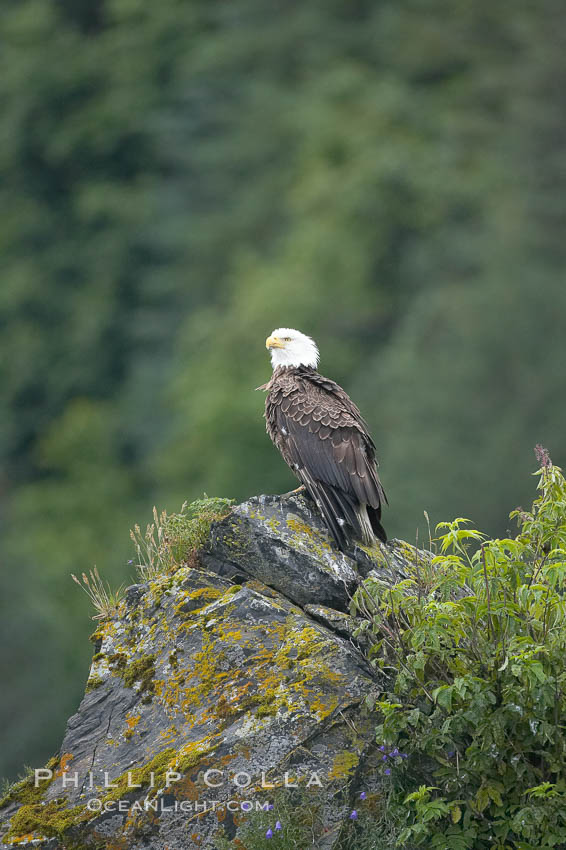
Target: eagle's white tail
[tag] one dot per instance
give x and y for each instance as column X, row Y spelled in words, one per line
column 368, row 535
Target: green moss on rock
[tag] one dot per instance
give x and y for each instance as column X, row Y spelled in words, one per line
column 141, row 670
column 153, row 774
column 93, row 683
column 24, row 790
column 52, row 819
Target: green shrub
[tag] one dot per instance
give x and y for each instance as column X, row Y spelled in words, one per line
column 474, row 647
column 171, row 538
column 289, row 824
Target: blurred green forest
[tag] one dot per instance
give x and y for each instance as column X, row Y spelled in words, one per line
column 179, row 178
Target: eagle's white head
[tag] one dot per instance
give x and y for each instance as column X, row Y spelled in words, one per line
column 289, row 347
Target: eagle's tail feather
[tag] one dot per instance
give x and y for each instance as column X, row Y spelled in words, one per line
column 364, row 525
column 325, row 497
column 340, row 511
column 374, row 515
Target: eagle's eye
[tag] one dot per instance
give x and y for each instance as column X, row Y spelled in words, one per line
column 286, row 339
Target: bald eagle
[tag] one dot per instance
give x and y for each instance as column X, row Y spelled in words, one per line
column 321, row 434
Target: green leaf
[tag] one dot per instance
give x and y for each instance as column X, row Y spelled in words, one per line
column 494, row 795
column 443, row 696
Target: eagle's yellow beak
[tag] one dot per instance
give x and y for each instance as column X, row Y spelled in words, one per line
column 274, row 342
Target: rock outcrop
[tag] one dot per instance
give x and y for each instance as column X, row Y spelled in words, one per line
column 226, row 685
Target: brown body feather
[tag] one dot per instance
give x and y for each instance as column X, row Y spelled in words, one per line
column 323, row 438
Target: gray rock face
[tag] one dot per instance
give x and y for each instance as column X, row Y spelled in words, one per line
column 207, row 696
column 283, row 542
column 286, row 546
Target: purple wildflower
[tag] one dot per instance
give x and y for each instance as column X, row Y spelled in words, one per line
column 269, row 833
column 542, row 456
column 270, row 807
column 382, row 748
column 278, row 825
column 354, row 815
column 387, row 771
column 394, row 752
column 363, row 795
column 384, row 758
